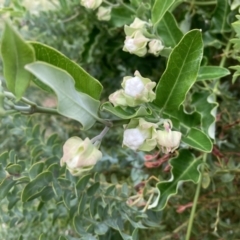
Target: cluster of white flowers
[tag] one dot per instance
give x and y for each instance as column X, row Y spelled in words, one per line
column 103, row 13
column 145, row 136
column 137, row 39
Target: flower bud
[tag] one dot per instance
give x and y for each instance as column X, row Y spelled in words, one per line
column 104, row 14
column 79, row 155
column 137, row 24
column 137, row 44
column 136, row 90
column 140, row 135
column 155, row 47
column 169, row 140
column 91, row 4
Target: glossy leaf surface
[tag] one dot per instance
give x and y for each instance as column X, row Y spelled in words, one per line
column 159, row 9
column 169, row 31
column 198, row 140
column 181, row 72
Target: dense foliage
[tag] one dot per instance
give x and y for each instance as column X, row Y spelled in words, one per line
column 151, row 87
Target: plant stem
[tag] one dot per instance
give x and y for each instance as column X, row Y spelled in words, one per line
column 204, row 3
column 195, row 201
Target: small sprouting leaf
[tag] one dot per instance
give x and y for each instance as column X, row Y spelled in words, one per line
column 16, row 53
column 36, row 186
column 185, row 168
column 198, row 140
column 125, row 113
column 181, row 72
column 159, row 9
column 83, row 81
column 212, row 72
column 169, row 31
column 72, row 104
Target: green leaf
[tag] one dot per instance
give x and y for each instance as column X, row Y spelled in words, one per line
column 198, row 140
column 182, row 118
column 36, row 169
column 211, row 72
column 82, row 183
column 14, row 169
column 71, row 103
column 16, row 53
column 159, row 9
column 220, row 22
column 205, row 104
column 5, row 186
column 185, row 168
column 121, row 16
column 181, row 72
column 83, row 81
column 127, row 112
column 101, row 228
column 93, row 189
column 36, row 186
column 169, row 31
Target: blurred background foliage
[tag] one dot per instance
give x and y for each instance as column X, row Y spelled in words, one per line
column 26, row 142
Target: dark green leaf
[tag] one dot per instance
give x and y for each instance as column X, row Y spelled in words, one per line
column 181, row 72
column 212, row 72
column 93, row 189
column 198, row 140
column 220, row 22
column 5, row 186
column 36, row 186
column 169, row 31
column 82, row 183
column 14, row 169
column 36, row 169
column 16, row 53
column 185, row 168
column 83, row 81
column 159, row 8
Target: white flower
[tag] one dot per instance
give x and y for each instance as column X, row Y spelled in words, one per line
column 140, row 135
column 168, row 140
column 79, row 155
column 137, row 25
column 104, row 14
column 136, row 44
column 136, row 90
column 91, row 4
column 129, row 44
column 133, row 138
column 134, row 86
column 155, row 47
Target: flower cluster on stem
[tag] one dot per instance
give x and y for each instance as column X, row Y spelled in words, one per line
column 139, row 41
